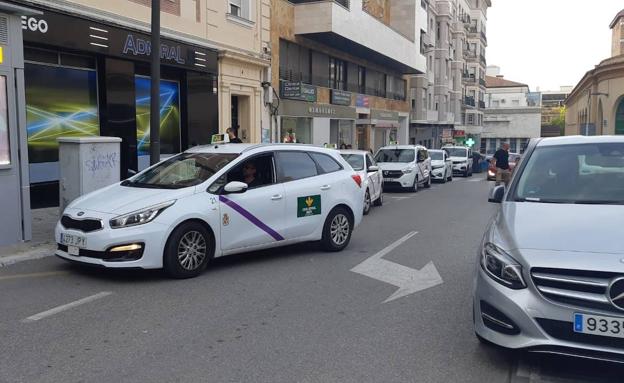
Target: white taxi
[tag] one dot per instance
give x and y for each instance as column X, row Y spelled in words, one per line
column 363, row 163
column 212, row 201
column 405, row 166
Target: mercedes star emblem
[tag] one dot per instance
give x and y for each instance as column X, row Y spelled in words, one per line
column 616, row 293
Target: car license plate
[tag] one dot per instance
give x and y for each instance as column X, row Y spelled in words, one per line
column 388, row 179
column 599, row 325
column 72, row 240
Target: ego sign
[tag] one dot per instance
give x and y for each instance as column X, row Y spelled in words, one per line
column 34, row 25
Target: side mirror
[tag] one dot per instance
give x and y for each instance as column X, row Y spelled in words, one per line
column 496, row 194
column 235, row 187
column 373, row 168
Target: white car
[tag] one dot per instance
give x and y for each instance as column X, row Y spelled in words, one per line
column 364, row 164
column 441, row 165
column 405, row 166
column 462, row 159
column 212, row 201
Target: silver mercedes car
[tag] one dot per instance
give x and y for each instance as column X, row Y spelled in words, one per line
column 550, row 270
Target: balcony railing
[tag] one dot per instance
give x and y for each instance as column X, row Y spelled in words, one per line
column 469, row 101
column 469, row 78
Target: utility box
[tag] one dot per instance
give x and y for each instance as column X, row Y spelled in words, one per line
column 86, row 164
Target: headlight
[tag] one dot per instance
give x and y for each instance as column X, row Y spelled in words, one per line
column 408, row 170
column 501, row 267
column 139, row 217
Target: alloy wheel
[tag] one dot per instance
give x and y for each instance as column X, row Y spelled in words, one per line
column 339, row 229
column 191, row 250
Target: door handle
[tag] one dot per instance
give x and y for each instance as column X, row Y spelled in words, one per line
column 325, row 187
column 276, row 197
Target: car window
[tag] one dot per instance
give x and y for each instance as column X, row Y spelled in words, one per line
column 369, row 161
column 295, row 165
column 325, row 162
column 584, row 173
column 395, row 155
column 355, row 160
column 256, row 172
column 437, row 156
column 457, row 152
column 183, row 170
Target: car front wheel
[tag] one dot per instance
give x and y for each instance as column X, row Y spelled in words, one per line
column 337, row 230
column 188, row 250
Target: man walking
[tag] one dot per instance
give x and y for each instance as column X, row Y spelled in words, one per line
column 501, row 162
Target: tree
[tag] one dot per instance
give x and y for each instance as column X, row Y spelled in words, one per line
column 559, row 121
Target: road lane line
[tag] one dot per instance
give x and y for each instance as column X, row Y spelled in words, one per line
column 65, row 307
column 33, row 275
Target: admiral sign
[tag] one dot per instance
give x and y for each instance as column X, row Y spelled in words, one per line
column 75, row 33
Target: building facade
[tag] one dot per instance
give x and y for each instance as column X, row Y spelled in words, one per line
column 338, row 69
column 513, row 115
column 448, row 100
column 94, row 56
column 596, row 104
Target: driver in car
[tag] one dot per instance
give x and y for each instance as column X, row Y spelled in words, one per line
column 249, row 175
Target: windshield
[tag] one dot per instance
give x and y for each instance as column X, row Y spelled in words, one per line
column 436, row 156
column 585, row 173
column 457, row 152
column 183, row 170
column 355, row 160
column 395, row 155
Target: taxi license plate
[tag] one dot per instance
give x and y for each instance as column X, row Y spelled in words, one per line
column 388, row 179
column 599, row 325
column 72, row 240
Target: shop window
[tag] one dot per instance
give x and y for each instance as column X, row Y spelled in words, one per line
column 295, row 166
column 296, row 130
column 5, row 154
column 169, row 118
column 341, row 133
column 60, row 101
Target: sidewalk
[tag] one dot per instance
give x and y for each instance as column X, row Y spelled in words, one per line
column 42, row 243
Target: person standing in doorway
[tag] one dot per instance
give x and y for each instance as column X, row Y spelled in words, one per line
column 501, row 162
column 233, row 136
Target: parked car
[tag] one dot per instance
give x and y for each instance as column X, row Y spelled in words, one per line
column 514, row 158
column 441, row 165
column 364, row 164
column 550, row 275
column 462, row 159
column 405, row 166
column 212, row 201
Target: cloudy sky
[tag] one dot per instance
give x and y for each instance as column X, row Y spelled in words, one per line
column 548, row 43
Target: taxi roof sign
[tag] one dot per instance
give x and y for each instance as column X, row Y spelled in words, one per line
column 220, row 138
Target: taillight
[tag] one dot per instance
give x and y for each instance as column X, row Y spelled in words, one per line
column 357, row 179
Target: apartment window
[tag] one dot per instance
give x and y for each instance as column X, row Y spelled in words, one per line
column 361, row 79
column 471, row 119
column 168, row 6
column 513, row 145
column 423, row 4
column 294, row 62
column 515, row 102
column 337, row 74
column 437, row 31
column 240, row 8
column 413, row 103
column 429, row 103
column 495, row 104
column 422, row 42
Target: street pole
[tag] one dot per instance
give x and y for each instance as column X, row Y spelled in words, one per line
column 155, row 85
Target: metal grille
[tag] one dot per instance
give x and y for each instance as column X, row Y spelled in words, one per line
column 586, row 289
column 85, row 225
column 392, row 173
column 4, row 30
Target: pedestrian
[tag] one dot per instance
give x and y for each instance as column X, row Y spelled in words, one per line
column 501, row 162
column 233, row 136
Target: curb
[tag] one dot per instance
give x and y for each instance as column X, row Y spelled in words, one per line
column 35, row 253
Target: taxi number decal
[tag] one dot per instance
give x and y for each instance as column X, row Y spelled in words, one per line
column 308, row 206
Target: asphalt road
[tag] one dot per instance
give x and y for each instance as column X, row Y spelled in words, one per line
column 288, row 315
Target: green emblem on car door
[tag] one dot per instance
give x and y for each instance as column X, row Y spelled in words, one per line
column 309, row 205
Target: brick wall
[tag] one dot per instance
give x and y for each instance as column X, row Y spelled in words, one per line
column 169, row 6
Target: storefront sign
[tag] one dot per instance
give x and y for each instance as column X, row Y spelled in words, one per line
column 298, row 91
column 362, row 101
column 459, row 133
column 304, row 109
column 388, row 115
column 447, row 133
column 339, row 97
column 80, row 34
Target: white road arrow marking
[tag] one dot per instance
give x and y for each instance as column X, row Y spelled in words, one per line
column 408, row 280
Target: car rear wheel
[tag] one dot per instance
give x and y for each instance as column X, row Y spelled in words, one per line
column 450, row 176
column 337, row 230
column 188, row 250
column 367, row 203
column 414, row 187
